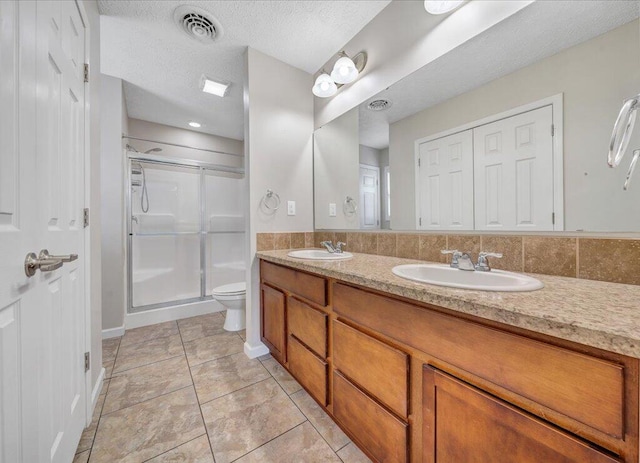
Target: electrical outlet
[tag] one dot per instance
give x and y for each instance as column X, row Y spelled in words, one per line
column 291, row 208
column 332, row 209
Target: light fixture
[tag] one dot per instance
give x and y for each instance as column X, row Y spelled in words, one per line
column 195, row 125
column 214, row 87
column 324, row 86
column 441, row 6
column 344, row 71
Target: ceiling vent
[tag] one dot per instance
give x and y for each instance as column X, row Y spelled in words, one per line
column 197, row 23
column 379, row 105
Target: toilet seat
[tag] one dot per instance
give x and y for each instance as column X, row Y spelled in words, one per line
column 232, row 289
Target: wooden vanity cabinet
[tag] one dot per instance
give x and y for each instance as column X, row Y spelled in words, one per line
column 462, row 423
column 409, row 382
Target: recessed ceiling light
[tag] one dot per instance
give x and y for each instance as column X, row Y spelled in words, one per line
column 195, row 125
column 441, row 6
column 211, row 86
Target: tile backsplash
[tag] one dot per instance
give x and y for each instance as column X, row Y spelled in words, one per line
column 604, row 259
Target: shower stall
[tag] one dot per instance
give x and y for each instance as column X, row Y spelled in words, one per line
column 185, row 230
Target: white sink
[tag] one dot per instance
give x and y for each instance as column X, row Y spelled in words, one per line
column 319, row 254
column 444, row 275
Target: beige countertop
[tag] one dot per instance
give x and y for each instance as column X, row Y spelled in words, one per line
column 598, row 314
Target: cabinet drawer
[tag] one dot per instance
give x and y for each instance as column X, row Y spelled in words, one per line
column 273, row 318
column 308, row 325
column 583, row 388
column 462, row 423
column 376, row 367
column 377, row 430
column 308, row 369
column 308, row 286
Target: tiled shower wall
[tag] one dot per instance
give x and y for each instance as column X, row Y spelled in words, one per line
column 604, row 259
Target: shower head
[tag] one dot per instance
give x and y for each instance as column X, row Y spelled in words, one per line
column 153, row 150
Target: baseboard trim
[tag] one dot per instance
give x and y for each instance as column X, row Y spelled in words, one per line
column 167, row 314
column 113, row 332
column 255, row 351
column 97, row 389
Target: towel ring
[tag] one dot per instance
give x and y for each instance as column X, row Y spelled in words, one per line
column 273, row 198
column 349, row 207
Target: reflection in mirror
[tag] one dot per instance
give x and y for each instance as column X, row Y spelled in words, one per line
column 508, row 132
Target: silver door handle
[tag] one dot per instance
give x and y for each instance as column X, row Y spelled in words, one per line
column 44, row 255
column 33, row 263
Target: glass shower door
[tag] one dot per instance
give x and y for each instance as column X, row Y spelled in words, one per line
column 165, row 238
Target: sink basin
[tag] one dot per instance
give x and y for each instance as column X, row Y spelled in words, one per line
column 444, row 275
column 319, row 254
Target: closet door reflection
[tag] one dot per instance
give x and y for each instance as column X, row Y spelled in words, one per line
column 165, row 234
column 224, row 226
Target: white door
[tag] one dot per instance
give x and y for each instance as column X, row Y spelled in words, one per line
column 42, row 324
column 513, row 161
column 445, row 183
column 369, row 196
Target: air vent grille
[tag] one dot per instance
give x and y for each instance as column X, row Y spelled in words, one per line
column 197, row 23
column 379, row 105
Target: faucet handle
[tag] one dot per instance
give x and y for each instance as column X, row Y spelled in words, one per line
column 455, row 255
column 483, row 261
column 339, row 245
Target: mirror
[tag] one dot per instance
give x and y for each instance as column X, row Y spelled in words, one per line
column 508, row 132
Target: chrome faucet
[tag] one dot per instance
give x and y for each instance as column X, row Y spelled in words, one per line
column 462, row 260
column 337, row 249
column 483, row 262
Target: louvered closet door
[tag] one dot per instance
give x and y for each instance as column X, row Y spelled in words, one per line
column 446, row 183
column 513, row 161
column 42, row 322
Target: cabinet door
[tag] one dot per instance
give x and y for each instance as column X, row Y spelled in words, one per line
column 464, row 424
column 273, row 321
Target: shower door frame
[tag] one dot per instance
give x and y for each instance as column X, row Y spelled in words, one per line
column 201, row 168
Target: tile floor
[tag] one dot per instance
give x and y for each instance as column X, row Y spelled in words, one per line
column 185, row 392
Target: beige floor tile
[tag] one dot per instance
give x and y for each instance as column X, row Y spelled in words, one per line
column 242, row 421
column 108, row 369
column 265, row 357
column 219, row 377
column 147, row 333
column 352, row 454
column 82, row 457
column 137, row 355
column 301, row 444
column 329, row 430
column 86, row 439
column 242, row 334
column 110, row 349
column 212, row 347
column 201, row 326
column 281, row 375
column 195, row 451
column 148, row 429
column 143, row 383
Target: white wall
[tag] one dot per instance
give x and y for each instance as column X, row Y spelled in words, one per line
column 279, row 156
column 595, row 76
column 336, row 170
column 112, row 123
column 369, row 156
column 418, row 38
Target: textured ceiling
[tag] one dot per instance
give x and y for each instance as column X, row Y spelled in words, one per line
column 538, row 31
column 161, row 66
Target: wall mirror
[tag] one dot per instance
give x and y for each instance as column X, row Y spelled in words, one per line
column 506, row 133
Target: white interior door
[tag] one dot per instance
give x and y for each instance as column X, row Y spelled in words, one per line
column 445, row 183
column 42, row 318
column 369, row 196
column 514, row 172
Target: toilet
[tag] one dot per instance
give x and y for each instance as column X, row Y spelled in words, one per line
column 232, row 297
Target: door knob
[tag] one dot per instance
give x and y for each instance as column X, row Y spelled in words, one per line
column 33, row 263
column 44, row 255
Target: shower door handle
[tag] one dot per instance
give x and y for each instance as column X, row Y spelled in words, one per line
column 44, row 255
